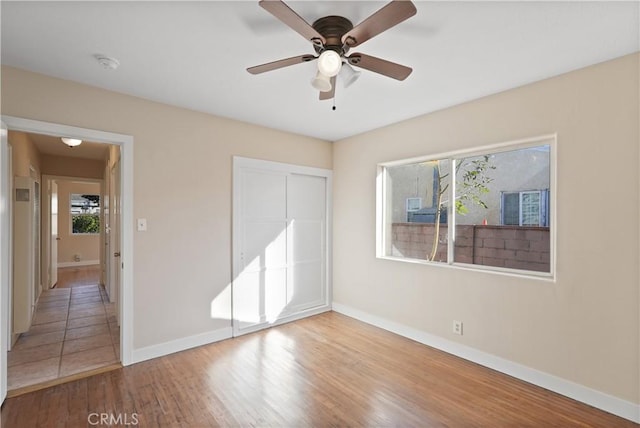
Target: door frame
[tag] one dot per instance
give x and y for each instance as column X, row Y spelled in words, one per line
column 241, row 163
column 5, row 256
column 115, row 223
column 46, row 220
column 47, row 242
column 126, row 230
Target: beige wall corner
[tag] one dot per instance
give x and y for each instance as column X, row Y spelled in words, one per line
column 25, row 154
column 584, row 327
column 182, row 186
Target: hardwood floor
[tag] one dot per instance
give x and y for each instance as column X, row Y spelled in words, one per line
column 69, row 277
column 327, row 370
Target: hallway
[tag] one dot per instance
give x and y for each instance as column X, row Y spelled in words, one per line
column 74, row 330
column 70, row 277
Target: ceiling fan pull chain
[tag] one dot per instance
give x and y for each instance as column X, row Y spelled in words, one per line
column 332, row 36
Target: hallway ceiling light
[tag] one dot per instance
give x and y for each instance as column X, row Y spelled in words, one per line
column 71, row 142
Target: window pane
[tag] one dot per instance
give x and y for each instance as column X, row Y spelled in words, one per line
column 511, row 208
column 500, row 208
column 530, row 209
column 416, row 201
column 85, row 214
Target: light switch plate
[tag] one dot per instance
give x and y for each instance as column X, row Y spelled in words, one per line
column 142, row 224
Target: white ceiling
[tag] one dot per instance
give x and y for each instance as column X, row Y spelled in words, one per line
column 194, row 54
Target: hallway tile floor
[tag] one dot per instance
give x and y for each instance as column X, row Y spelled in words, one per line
column 74, row 330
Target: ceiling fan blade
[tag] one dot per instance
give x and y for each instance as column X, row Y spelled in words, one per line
column 377, row 65
column 390, row 15
column 285, row 14
column 329, row 94
column 280, row 63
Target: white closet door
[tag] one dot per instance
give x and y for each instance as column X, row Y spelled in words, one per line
column 279, row 239
column 306, row 207
column 259, row 292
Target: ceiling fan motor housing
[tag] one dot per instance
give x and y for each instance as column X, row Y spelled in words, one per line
column 334, row 35
column 332, row 29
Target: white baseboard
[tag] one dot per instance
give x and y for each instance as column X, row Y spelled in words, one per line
column 600, row 400
column 80, row 263
column 166, row 348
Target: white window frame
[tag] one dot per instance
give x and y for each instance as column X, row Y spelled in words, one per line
column 407, row 206
column 541, row 206
column 382, row 209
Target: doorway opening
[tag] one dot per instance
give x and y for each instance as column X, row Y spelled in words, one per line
column 75, row 318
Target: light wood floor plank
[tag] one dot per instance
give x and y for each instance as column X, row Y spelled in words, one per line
column 327, row 370
column 69, row 277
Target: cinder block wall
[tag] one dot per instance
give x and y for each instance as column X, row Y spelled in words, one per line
column 515, row 247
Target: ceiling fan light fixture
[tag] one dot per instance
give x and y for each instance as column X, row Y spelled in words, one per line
column 329, row 63
column 321, row 82
column 332, row 36
column 348, row 75
column 71, row 142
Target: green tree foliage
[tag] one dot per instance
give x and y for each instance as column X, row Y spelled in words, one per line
column 86, row 223
column 93, row 198
column 474, row 184
column 471, row 187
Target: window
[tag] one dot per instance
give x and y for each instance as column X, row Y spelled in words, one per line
column 85, row 214
column 414, row 204
column 493, row 204
column 528, row 208
column 411, row 232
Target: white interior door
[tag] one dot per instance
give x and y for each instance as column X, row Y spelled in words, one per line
column 5, row 194
column 37, row 245
column 106, row 219
column 23, row 284
column 115, row 264
column 280, row 243
column 53, row 228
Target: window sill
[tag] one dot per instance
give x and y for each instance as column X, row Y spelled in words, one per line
column 526, row 274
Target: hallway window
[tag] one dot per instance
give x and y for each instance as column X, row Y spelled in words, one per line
column 85, row 214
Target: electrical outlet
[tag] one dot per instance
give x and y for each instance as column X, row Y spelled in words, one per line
column 457, row 327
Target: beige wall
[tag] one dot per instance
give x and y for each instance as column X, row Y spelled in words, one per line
column 72, row 167
column 24, row 153
column 182, row 186
column 585, row 326
column 86, row 246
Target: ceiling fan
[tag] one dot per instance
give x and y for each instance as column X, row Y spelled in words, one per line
column 332, row 37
